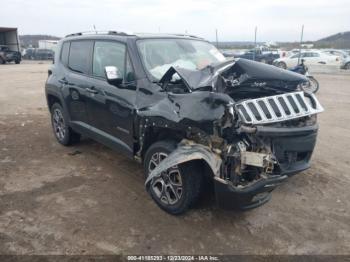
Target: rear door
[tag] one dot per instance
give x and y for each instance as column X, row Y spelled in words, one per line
column 76, row 57
column 111, row 107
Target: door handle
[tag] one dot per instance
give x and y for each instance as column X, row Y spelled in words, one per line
column 92, row 90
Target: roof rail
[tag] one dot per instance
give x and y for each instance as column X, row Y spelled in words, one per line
column 75, row 34
column 194, row 36
column 99, row 33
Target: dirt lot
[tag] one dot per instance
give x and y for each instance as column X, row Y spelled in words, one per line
column 55, row 200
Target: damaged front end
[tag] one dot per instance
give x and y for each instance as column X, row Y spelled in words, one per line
column 255, row 129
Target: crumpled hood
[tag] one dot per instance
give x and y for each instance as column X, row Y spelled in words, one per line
column 245, row 71
column 261, row 71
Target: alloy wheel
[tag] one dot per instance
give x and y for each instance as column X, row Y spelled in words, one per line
column 59, row 125
column 168, row 186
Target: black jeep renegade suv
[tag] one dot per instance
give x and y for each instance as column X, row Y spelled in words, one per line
column 174, row 103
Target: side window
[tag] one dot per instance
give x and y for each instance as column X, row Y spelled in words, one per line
column 108, row 54
column 65, row 53
column 315, row 54
column 79, row 56
column 308, row 54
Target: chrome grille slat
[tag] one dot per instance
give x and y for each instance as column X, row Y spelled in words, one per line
column 263, row 113
column 260, row 110
column 297, row 101
column 249, row 112
column 290, row 107
column 269, row 107
column 280, row 108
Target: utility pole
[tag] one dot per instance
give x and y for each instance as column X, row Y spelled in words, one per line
column 301, row 41
column 256, row 29
column 216, row 35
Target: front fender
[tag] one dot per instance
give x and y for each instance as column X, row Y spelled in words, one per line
column 188, row 151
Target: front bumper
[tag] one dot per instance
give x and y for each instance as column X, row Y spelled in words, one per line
column 292, row 147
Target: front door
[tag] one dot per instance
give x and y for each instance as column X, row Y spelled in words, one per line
column 111, row 107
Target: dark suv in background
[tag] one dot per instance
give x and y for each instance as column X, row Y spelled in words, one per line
column 192, row 117
column 39, row 54
column 7, row 55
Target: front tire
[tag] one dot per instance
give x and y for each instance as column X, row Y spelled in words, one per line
column 347, row 66
column 63, row 133
column 177, row 188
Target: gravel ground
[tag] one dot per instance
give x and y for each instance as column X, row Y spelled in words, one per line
column 87, row 199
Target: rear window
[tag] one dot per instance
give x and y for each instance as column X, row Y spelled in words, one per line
column 80, row 56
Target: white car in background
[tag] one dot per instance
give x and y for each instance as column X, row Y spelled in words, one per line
column 339, row 53
column 310, row 58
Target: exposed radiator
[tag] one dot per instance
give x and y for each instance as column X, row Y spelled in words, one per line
column 277, row 108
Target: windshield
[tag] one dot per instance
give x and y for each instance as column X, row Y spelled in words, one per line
column 158, row 55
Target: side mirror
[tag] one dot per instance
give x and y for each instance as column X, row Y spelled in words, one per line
column 113, row 76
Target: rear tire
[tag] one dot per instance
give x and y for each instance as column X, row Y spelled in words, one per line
column 2, row 61
column 178, row 188
column 347, row 66
column 63, row 133
column 17, row 61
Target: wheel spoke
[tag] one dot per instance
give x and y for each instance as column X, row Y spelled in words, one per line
column 56, row 116
column 175, row 177
column 158, row 186
column 177, row 190
column 171, row 193
column 61, row 133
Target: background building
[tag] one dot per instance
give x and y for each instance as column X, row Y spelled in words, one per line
column 9, row 37
column 48, row 44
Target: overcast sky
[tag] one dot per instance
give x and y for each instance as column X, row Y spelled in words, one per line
column 277, row 20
